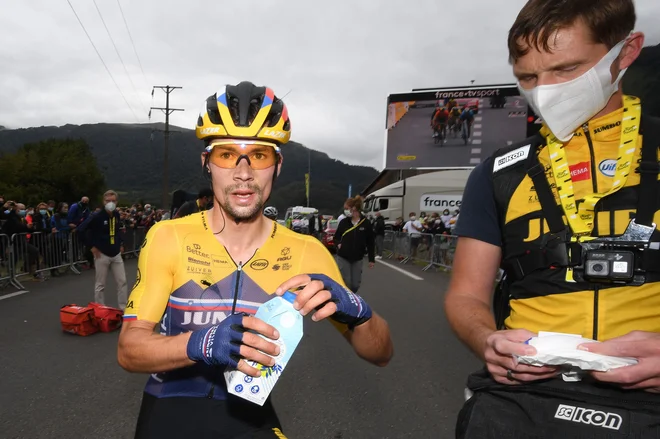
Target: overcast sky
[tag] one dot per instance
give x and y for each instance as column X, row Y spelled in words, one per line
column 337, row 60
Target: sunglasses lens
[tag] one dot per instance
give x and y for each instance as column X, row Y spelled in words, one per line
column 258, row 156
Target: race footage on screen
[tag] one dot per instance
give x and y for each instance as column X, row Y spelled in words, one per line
column 457, row 127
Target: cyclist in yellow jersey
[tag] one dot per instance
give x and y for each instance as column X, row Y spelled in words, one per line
column 201, row 278
column 547, row 210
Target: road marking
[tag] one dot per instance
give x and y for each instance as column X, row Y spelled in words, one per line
column 17, row 293
column 476, row 133
column 476, row 151
column 400, row 270
column 476, row 142
column 477, row 119
column 477, row 126
column 475, row 161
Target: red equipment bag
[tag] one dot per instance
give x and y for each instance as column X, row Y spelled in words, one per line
column 78, row 320
column 107, row 318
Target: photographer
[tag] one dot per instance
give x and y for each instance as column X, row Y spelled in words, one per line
column 549, row 211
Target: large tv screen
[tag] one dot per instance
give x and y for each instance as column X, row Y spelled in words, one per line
column 418, row 138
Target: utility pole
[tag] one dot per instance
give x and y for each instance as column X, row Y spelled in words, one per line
column 167, row 110
column 309, row 172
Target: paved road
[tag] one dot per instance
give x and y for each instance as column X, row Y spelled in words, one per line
column 57, row 385
column 492, row 129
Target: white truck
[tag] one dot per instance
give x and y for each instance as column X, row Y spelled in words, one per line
column 432, row 192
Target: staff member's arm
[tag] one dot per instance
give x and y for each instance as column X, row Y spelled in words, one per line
column 140, row 349
column 468, row 303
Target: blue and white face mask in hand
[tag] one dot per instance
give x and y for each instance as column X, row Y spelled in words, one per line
column 565, row 107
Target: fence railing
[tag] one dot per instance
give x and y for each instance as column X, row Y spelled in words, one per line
column 37, row 255
column 433, row 251
column 430, row 250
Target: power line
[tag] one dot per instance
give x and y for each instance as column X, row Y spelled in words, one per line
column 132, row 43
column 120, row 58
column 103, row 62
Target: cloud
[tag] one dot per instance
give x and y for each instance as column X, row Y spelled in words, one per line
column 338, row 61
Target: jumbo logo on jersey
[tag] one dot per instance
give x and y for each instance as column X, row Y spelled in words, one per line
column 580, row 171
column 607, row 168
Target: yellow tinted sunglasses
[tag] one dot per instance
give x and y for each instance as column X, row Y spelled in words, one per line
column 227, row 154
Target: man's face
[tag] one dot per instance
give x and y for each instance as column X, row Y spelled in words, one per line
column 110, row 198
column 241, row 190
column 84, row 200
column 573, row 53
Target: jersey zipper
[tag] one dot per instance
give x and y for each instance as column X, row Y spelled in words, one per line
column 596, row 294
column 239, row 269
column 594, row 177
column 594, row 185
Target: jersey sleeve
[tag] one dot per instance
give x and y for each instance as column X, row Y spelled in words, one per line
column 478, row 218
column 318, row 260
column 155, row 274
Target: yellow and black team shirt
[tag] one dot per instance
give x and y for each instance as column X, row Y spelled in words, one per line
column 544, row 300
column 186, row 280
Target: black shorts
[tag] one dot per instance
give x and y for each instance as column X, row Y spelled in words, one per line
column 203, row 418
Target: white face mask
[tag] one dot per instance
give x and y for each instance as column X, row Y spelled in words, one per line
column 565, row 107
column 413, row 218
column 347, row 212
column 110, row 206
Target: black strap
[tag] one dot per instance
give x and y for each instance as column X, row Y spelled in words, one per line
column 551, row 211
column 648, row 170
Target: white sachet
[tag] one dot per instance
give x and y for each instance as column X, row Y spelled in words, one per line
column 559, row 349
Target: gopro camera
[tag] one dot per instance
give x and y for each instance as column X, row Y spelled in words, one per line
column 615, row 260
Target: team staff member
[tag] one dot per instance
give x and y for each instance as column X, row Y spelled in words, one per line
column 204, row 198
column 106, row 243
column 525, row 211
column 354, row 236
column 200, row 275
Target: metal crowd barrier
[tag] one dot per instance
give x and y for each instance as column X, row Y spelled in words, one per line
column 434, row 251
column 37, row 255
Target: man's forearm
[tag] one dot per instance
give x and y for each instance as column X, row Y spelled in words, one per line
column 143, row 352
column 372, row 341
column 471, row 320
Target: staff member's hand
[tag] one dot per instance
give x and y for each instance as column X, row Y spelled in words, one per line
column 328, row 297
column 645, row 346
column 96, row 252
column 371, row 264
column 500, row 348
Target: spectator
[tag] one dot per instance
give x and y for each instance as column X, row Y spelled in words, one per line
column 16, row 225
column 204, row 199
column 106, row 243
column 61, row 229
column 51, row 208
column 354, row 234
column 414, row 229
column 79, row 212
column 379, row 231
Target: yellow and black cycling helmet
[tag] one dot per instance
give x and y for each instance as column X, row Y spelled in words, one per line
column 244, row 111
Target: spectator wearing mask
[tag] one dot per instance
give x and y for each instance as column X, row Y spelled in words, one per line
column 204, row 199
column 51, row 208
column 379, row 232
column 61, row 230
column 79, row 212
column 16, row 224
column 414, row 229
column 42, row 240
column 446, row 218
column 354, row 234
column 106, row 244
